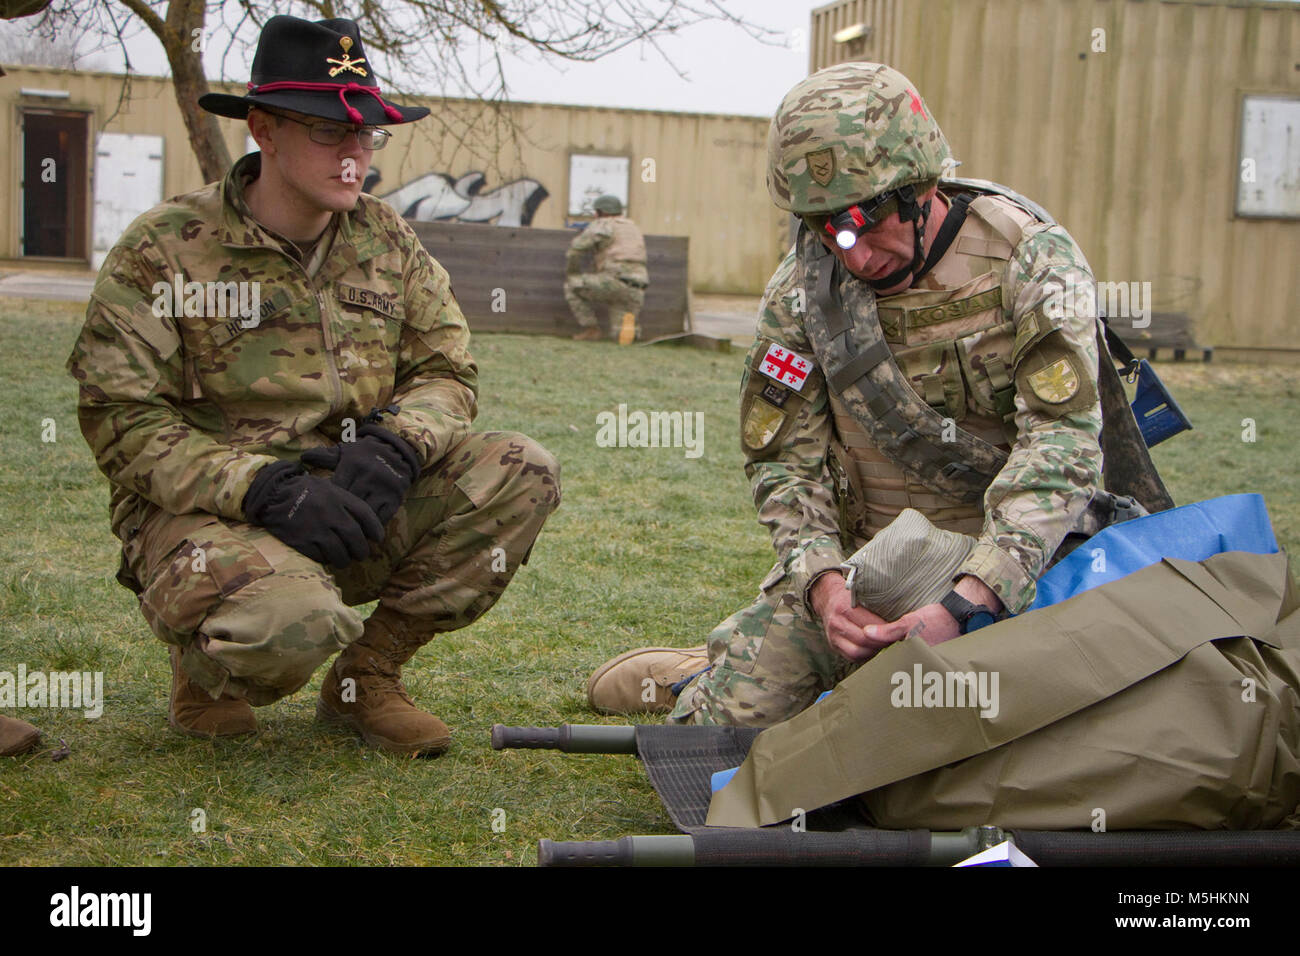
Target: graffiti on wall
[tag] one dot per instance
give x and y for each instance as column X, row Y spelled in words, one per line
column 437, row 196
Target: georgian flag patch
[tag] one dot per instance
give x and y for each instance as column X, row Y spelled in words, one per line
column 788, row 368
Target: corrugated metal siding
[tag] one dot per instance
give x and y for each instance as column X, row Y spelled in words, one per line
column 709, row 179
column 881, row 15
column 1134, row 150
column 151, row 109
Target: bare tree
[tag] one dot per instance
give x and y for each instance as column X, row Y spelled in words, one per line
column 455, row 44
column 22, row 45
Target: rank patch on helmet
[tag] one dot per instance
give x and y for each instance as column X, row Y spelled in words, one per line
column 1057, row 383
column 788, row 368
column 821, row 165
column 762, row 422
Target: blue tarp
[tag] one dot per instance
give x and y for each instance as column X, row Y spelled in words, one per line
column 1192, row 532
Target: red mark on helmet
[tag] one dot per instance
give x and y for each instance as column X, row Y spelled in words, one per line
column 916, row 104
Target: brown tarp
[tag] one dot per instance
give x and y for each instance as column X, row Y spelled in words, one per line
column 1167, row 699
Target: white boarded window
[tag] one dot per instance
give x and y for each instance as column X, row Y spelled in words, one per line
column 591, row 177
column 1268, row 169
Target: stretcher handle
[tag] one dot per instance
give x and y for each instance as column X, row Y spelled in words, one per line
column 567, row 738
column 625, row 851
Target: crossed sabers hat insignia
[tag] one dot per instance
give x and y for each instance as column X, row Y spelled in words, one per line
column 347, row 63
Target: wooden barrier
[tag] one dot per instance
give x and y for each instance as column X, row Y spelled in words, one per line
column 527, row 264
column 1174, row 331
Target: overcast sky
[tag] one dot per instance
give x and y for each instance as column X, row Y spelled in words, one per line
column 726, row 70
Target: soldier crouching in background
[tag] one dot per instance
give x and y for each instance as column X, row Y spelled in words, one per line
column 619, row 279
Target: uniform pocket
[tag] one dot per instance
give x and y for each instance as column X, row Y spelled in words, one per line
column 985, row 358
column 194, row 576
column 935, row 373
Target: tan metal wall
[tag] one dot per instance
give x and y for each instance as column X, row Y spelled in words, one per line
column 882, row 16
column 1134, row 150
column 709, row 170
column 150, row 109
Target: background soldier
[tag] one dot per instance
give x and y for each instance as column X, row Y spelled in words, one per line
column 352, row 362
column 918, row 348
column 620, row 278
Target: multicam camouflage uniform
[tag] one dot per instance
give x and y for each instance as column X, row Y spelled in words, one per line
column 620, row 277
column 182, row 412
column 977, row 341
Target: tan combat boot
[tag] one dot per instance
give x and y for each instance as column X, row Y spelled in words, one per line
column 193, row 711
column 590, row 334
column 645, row 681
column 374, row 702
column 17, row 737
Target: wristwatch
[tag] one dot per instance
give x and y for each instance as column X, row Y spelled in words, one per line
column 970, row 616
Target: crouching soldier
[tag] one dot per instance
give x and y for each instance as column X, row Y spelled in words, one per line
column 274, row 376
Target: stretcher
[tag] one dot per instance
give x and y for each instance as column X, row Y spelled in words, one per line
column 681, row 761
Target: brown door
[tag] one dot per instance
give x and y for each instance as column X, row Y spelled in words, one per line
column 56, row 184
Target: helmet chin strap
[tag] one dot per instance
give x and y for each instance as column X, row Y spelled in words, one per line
column 908, row 210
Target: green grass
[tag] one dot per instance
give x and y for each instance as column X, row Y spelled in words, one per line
column 648, row 547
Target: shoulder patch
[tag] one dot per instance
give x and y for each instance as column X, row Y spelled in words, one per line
column 787, row 367
column 1053, row 381
column 775, row 394
column 762, row 424
column 1057, row 383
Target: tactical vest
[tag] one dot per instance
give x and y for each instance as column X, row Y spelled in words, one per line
column 626, row 245
column 954, row 345
column 923, row 399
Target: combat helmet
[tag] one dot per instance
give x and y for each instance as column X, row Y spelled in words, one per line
column 611, row 205
column 852, row 144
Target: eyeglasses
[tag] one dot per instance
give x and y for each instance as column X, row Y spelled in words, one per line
column 331, row 134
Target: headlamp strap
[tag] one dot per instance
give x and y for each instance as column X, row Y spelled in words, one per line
column 908, row 211
column 947, row 232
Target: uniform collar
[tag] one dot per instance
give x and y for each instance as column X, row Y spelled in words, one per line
column 355, row 241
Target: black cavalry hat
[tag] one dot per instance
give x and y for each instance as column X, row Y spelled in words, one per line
column 317, row 68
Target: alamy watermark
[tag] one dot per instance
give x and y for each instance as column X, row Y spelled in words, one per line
column 129, row 910
column 923, row 688
column 638, row 429
column 74, row 690
column 211, row 300
column 1121, row 300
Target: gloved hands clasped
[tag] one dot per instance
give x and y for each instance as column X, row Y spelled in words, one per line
column 333, row 520
column 378, row 468
column 312, row 515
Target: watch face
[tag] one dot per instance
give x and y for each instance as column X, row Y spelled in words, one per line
column 980, row 618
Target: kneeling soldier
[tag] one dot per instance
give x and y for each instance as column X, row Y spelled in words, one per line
column 619, row 279
column 926, row 344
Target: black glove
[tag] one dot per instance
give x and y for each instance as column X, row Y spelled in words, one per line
column 311, row 515
column 378, row 468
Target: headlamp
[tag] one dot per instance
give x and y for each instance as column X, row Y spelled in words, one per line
column 848, row 225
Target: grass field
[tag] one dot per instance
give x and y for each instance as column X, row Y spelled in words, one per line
column 648, row 547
